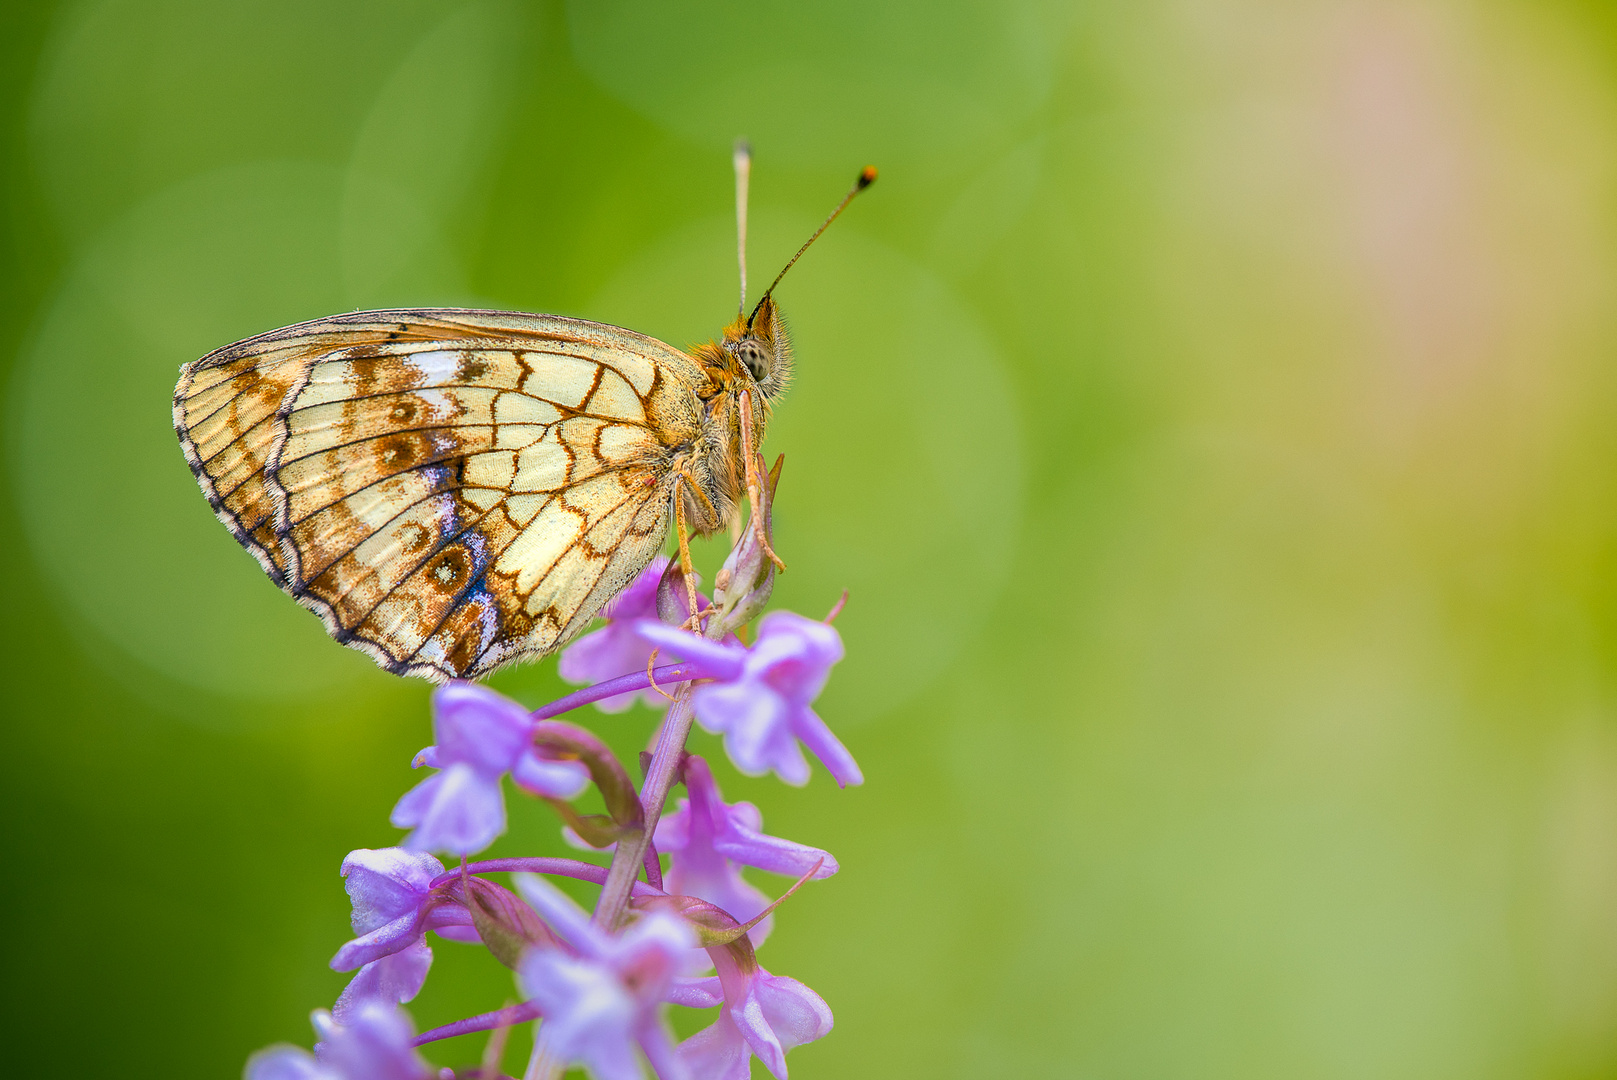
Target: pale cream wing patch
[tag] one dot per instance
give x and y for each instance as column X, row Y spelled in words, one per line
column 449, row 490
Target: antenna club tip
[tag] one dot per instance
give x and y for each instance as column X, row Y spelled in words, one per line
column 867, row 176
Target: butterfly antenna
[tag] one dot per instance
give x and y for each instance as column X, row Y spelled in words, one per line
column 743, row 164
column 867, row 176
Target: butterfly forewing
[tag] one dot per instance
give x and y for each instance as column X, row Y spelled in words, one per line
column 449, row 490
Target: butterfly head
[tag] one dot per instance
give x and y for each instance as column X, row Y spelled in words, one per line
column 757, row 344
column 761, row 347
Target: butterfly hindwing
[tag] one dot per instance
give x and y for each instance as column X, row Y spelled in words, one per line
column 449, row 490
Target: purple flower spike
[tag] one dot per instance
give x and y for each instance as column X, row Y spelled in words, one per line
column 373, row 1045
column 394, row 907
column 481, row 736
column 763, row 1014
column 708, row 837
column 602, row 1002
column 616, row 649
column 762, row 709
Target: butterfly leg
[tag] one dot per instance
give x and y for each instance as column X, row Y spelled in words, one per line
column 755, row 498
column 685, row 542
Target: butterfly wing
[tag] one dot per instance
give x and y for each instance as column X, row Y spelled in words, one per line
column 449, row 490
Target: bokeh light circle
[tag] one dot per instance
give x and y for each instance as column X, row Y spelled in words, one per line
column 109, row 505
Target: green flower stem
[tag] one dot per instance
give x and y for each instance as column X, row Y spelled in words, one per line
column 631, row 850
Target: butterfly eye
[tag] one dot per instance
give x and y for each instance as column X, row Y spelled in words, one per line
column 749, row 352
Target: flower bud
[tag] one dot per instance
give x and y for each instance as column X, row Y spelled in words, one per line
column 624, row 814
column 507, row 925
column 743, row 587
column 673, row 599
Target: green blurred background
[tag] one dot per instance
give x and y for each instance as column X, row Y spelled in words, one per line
column 1211, row 412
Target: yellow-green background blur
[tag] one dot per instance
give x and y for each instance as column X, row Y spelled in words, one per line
column 1212, row 412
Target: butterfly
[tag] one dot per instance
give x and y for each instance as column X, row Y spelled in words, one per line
column 451, row 490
